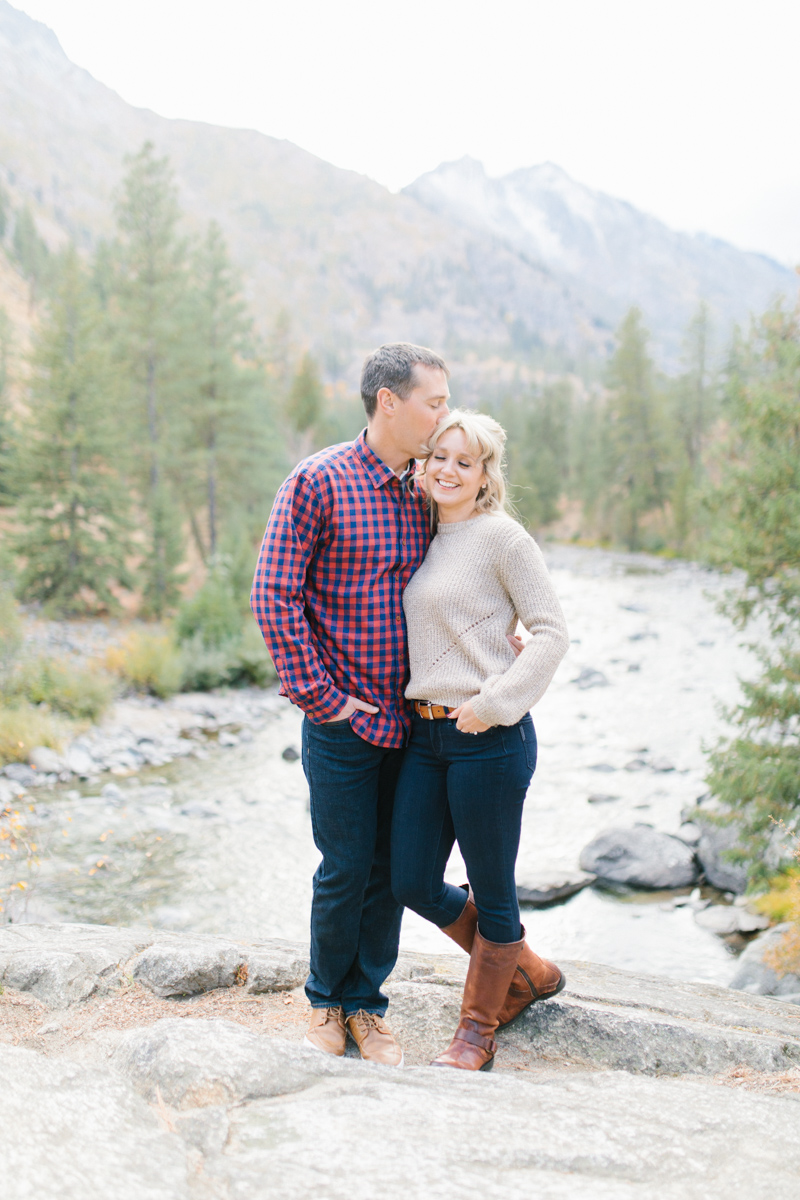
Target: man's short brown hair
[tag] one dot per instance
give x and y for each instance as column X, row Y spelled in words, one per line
column 392, row 366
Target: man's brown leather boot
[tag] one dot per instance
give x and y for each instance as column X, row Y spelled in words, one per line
column 491, row 969
column 327, row 1031
column 534, row 979
column 374, row 1039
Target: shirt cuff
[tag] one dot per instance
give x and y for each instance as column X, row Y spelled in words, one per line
column 325, row 705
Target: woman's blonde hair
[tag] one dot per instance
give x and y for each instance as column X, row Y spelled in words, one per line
column 486, row 441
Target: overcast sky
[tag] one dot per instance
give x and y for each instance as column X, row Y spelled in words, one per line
column 687, row 108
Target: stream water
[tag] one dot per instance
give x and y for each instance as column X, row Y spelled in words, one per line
column 224, row 845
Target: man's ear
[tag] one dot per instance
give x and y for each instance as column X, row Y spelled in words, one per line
column 386, row 400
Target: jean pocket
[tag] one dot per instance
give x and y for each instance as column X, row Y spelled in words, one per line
column 527, row 734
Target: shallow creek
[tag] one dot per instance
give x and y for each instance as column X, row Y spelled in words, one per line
column 224, row 844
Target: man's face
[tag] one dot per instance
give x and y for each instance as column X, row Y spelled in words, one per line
column 418, row 415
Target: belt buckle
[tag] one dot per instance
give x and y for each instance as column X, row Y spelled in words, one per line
column 425, row 710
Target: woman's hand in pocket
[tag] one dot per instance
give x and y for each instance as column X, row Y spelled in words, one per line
column 465, row 719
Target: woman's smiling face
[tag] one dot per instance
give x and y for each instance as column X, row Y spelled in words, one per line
column 454, row 476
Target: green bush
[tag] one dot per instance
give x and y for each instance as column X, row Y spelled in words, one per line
column 149, row 663
column 78, row 692
column 212, row 617
column 10, row 633
column 239, row 662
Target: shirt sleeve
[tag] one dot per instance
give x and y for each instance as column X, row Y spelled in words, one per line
column 295, row 526
column 505, row 698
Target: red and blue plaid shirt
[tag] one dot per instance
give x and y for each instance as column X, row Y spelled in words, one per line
column 344, row 537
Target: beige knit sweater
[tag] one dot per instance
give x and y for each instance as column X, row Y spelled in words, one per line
column 478, row 577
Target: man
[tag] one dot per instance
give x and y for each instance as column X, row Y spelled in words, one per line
column 346, row 533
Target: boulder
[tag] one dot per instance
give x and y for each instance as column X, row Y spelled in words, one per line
column 756, row 976
column 277, row 967
column 552, row 887
column 711, row 846
column 640, row 857
column 43, row 759
column 436, row 1134
column 193, row 1063
column 724, row 919
column 63, row 964
column 80, row 761
column 22, row 774
column 82, row 1134
column 188, row 967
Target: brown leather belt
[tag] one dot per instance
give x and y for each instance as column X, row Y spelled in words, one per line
column 431, row 712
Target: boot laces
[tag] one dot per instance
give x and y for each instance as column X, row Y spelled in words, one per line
column 368, row 1020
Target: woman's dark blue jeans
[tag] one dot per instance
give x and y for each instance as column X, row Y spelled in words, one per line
column 355, row 919
column 461, row 787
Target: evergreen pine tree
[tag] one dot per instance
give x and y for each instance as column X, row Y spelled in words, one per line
column 756, row 773
column 5, row 208
column 31, row 253
column 7, row 432
column 221, row 432
column 304, row 407
column 151, row 310
column 637, row 437
column 538, row 450
column 73, row 512
column 694, row 410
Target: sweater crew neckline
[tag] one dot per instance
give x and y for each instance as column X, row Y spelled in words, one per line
column 453, row 526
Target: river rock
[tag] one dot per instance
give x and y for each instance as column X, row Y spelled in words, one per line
column 724, row 919
column 43, row 759
column 194, row 1063
column 278, row 967
column 63, row 964
column 711, row 846
column 640, row 857
column 188, row 967
column 553, row 887
column 590, row 678
column 754, row 975
column 80, row 761
column 22, row 774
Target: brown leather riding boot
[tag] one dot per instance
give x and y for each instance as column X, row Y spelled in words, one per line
column 491, row 969
column 534, row 979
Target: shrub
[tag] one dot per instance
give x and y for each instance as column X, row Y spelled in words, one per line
column 149, row 663
column 239, row 662
column 10, row 634
column 212, row 616
column 78, row 692
column 254, row 665
column 24, row 727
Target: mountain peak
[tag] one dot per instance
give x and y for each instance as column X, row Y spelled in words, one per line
column 24, row 33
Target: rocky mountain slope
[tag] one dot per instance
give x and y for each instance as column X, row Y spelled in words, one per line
column 490, row 271
column 604, row 249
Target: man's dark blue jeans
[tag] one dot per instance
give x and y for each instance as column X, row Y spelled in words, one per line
column 355, row 919
column 469, row 788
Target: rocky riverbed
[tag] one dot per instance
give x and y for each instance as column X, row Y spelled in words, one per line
column 192, row 814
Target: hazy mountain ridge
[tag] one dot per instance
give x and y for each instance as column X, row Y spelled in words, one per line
column 353, row 263
column 604, row 248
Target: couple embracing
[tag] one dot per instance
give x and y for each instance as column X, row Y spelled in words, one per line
column 389, row 609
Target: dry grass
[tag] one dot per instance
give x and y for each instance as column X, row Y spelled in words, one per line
column 768, row 1082
column 23, row 727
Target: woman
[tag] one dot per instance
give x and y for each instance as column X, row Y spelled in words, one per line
column 473, row 747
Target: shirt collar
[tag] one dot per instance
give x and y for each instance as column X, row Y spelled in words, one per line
column 377, row 470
